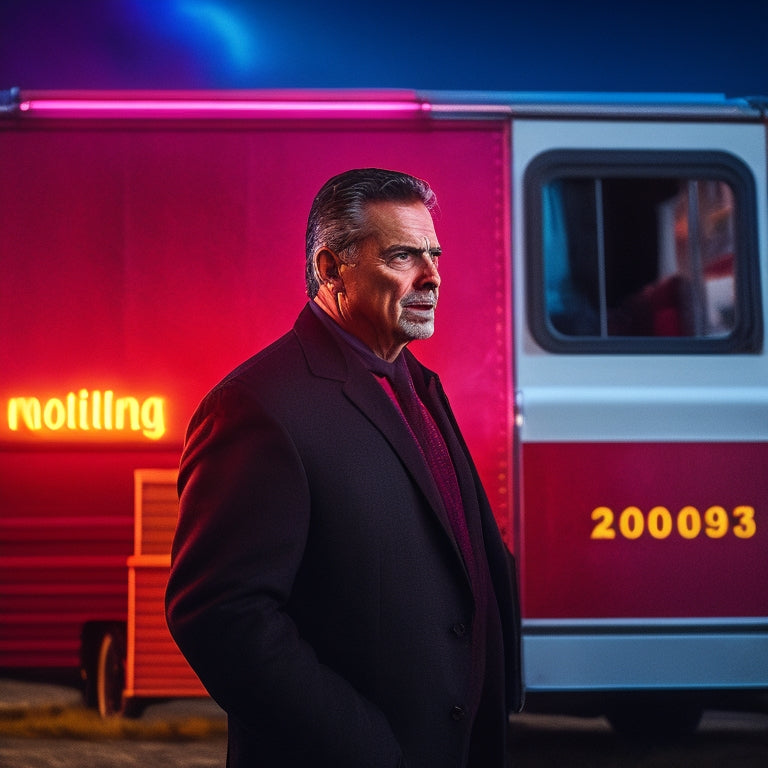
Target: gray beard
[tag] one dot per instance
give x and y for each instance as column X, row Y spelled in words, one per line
column 415, row 330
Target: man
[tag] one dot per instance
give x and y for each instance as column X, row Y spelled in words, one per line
column 338, row 581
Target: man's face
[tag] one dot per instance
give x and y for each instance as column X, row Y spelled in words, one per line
column 390, row 292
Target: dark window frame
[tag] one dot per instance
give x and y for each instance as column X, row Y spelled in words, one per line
column 747, row 333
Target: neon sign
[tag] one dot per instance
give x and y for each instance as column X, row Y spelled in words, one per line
column 87, row 411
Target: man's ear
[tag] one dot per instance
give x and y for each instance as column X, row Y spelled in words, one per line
column 328, row 269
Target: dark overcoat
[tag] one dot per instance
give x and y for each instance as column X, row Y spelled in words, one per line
column 315, row 586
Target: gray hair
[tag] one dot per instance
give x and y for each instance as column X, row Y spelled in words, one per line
column 337, row 218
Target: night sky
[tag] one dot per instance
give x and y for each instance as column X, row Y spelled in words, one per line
column 552, row 45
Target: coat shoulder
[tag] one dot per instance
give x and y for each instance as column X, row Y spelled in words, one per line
column 284, row 353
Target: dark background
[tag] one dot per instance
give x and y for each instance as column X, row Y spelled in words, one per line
column 552, row 45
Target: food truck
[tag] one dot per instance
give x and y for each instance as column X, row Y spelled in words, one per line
column 600, row 335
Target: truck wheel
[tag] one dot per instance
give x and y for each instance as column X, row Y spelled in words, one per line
column 110, row 674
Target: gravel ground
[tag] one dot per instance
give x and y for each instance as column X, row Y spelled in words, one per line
column 191, row 733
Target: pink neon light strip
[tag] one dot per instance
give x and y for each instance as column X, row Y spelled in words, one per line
column 60, row 106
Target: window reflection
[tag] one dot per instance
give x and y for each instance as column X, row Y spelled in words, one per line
column 639, row 257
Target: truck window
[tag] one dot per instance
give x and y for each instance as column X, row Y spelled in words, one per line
column 642, row 252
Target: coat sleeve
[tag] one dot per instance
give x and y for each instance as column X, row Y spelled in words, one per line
column 244, row 519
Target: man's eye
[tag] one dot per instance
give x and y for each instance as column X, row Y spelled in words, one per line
column 402, row 260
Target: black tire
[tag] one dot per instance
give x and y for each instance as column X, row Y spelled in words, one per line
column 110, row 674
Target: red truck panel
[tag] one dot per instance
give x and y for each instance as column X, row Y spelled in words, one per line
column 644, row 530
column 142, row 260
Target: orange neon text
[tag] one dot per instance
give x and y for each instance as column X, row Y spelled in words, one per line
column 83, row 411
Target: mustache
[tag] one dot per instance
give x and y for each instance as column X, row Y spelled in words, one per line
column 428, row 298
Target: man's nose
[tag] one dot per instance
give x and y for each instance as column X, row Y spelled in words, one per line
column 428, row 274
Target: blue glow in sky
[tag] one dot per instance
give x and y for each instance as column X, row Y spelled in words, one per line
column 225, row 35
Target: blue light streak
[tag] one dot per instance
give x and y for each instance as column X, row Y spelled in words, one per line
column 216, row 18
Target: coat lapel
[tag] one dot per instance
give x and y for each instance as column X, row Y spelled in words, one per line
column 328, row 358
column 370, row 398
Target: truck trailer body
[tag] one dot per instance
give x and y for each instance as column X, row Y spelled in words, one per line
column 600, row 335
